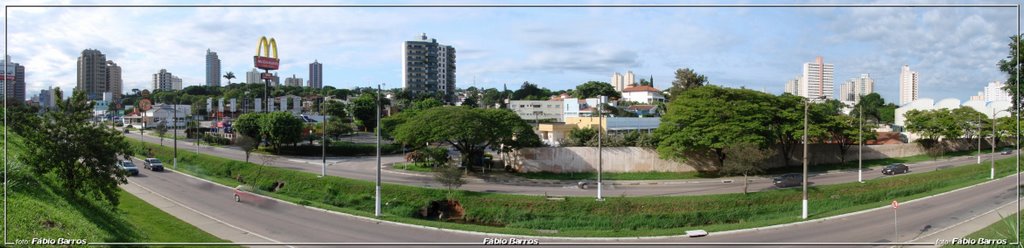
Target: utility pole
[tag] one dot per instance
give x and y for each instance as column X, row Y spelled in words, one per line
column 803, row 212
column 860, row 146
column 323, row 141
column 176, row 132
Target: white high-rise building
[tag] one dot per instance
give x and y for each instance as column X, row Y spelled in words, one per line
column 621, row 82
column 793, row 86
column 428, row 67
column 846, row 91
column 817, row 80
column 908, row 85
column 252, row 76
column 212, row 69
column 994, row 92
column 164, row 80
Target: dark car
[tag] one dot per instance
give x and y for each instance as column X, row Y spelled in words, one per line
column 788, row 180
column 1006, row 152
column 894, row 169
column 153, row 164
column 129, row 167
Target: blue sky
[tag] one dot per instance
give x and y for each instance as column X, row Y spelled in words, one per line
column 953, row 49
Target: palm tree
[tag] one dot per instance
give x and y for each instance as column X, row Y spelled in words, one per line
column 229, row 76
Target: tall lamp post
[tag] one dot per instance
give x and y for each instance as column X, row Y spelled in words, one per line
column 178, row 102
column 979, row 137
column 803, row 212
column 376, row 203
column 323, row 140
column 860, row 146
column 600, row 162
column 992, row 156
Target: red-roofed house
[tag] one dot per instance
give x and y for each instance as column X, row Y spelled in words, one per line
column 642, row 94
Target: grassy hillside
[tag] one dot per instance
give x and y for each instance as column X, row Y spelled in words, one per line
column 38, row 208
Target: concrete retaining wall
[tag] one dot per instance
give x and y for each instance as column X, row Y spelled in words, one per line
column 637, row 159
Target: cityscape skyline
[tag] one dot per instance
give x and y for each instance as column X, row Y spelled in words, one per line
column 955, row 51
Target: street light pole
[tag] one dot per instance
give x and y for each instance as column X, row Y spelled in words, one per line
column 860, row 146
column 992, row 156
column 323, row 140
column 376, row 203
column 176, row 133
column 979, row 138
column 600, row 162
column 803, row 212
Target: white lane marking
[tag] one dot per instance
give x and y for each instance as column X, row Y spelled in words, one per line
column 206, row 215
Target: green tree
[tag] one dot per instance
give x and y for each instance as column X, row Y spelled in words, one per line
column 709, row 119
column 82, row 155
column 594, row 88
column 1011, row 65
column 364, row 109
column 840, row 129
column 686, row 79
column 579, row 136
column 529, row 91
column 281, row 128
column 161, row 130
column 871, row 104
column 492, row 97
column 229, row 76
column 336, row 109
column 745, row 159
column 787, row 124
column 248, row 144
column 470, row 102
column 468, row 130
column 449, row 176
column 249, row 125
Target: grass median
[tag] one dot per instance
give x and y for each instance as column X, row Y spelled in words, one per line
column 1001, row 230
column 582, row 216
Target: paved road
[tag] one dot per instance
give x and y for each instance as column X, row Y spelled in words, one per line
column 285, row 222
column 365, row 168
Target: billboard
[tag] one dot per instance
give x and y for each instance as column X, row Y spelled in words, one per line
column 266, row 62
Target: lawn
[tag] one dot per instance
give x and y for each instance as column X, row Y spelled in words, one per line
column 582, row 216
column 1002, row 229
column 418, row 167
column 40, row 208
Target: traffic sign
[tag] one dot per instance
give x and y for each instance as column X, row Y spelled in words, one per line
column 895, row 204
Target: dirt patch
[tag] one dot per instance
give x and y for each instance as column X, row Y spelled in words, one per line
column 49, row 224
column 442, row 210
column 276, row 186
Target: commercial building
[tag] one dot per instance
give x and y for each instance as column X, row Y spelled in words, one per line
column 621, row 82
column 908, row 85
column 164, row 80
column 642, row 94
column 817, row 80
column 537, row 110
column 293, row 81
column 552, row 133
column 12, row 81
column 92, row 74
column 428, row 68
column 212, row 69
column 316, row 75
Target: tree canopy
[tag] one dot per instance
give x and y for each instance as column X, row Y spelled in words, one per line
column 594, row 89
column 468, row 130
column 686, row 79
column 1011, row 65
column 529, row 91
column 711, row 119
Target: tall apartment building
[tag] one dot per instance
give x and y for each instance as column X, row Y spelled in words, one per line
column 12, row 82
column 252, row 76
column 853, row 89
column 316, row 75
column 293, row 81
column 428, row 67
column 92, row 74
column 47, row 98
column 908, row 85
column 817, row 80
column 164, row 80
column 114, row 79
column 212, row 69
column 793, row 86
column 621, row 82
column 994, row 92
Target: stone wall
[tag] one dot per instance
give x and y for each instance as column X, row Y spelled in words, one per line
column 636, row 159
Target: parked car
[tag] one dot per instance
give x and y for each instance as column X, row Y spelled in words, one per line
column 129, row 167
column 244, row 192
column 1006, row 152
column 894, row 169
column 153, row 164
column 788, row 180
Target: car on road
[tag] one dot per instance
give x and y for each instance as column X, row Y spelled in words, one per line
column 246, row 193
column 788, row 180
column 894, row 169
column 128, row 167
column 153, row 164
column 1006, row 152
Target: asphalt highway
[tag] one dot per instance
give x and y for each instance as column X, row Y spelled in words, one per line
column 285, row 222
column 364, row 168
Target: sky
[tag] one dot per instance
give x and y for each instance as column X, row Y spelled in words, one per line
column 954, row 50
